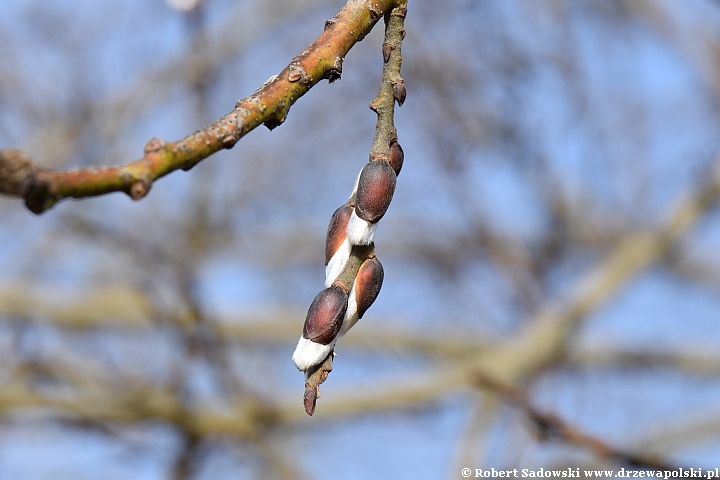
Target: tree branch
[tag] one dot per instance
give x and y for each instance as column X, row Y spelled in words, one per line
column 384, row 147
column 269, row 105
column 550, row 426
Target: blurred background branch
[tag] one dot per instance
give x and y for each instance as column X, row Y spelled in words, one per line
column 556, row 228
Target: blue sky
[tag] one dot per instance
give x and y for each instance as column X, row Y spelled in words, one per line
column 509, row 103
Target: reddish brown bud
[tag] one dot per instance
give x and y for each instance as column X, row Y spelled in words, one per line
column 386, row 51
column 375, row 190
column 397, row 156
column 325, row 315
column 309, row 400
column 336, row 231
column 399, row 92
column 367, row 284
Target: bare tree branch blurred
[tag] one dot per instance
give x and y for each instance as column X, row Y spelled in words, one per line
column 556, row 229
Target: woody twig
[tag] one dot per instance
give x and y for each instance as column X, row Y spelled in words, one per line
column 41, row 188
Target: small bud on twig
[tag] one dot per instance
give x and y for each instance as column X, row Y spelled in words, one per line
column 310, row 399
column 329, row 23
column 138, row 189
column 296, row 73
column 399, row 91
column 397, row 156
column 386, row 51
column 154, row 145
column 375, row 12
column 335, row 71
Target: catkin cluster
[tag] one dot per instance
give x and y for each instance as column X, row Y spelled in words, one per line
column 339, row 306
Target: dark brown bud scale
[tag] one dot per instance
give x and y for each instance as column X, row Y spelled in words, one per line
column 309, row 400
column 367, row 284
column 397, row 156
column 399, row 92
column 325, row 315
column 386, row 51
column 375, row 190
column 336, row 233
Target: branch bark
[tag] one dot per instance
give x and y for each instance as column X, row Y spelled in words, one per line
column 550, row 426
column 269, row 105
